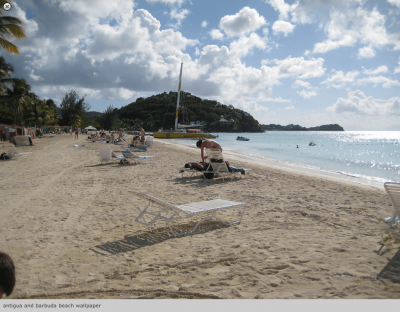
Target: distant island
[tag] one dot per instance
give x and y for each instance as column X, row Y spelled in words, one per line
column 291, row 127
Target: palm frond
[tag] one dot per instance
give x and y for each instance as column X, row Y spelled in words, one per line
column 8, row 46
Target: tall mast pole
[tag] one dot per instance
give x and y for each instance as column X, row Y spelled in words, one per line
column 179, row 96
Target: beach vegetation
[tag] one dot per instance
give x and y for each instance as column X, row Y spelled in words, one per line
column 10, row 28
column 19, row 97
column 73, row 109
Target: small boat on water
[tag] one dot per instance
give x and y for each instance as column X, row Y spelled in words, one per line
column 240, row 138
column 312, row 143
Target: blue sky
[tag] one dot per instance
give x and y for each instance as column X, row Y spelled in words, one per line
column 307, row 62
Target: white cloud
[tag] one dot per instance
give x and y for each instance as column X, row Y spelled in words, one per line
column 204, row 24
column 216, row 34
column 301, row 83
column 291, row 107
column 282, row 7
column 179, row 15
column 379, row 70
column 339, row 80
column 282, row 27
column 395, row 2
column 247, row 20
column 244, row 45
column 358, row 103
column 300, row 67
column 307, row 94
column 366, row 52
column 250, row 106
column 170, row 2
column 385, row 82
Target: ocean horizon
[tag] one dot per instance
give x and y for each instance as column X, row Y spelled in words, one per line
column 366, row 157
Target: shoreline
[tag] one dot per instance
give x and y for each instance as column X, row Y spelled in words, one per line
column 68, row 223
column 294, row 167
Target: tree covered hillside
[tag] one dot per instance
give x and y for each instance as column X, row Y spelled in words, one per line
column 158, row 111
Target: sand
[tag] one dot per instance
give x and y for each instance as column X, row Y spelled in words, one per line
column 69, row 224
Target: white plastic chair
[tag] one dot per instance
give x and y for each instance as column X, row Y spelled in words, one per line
column 393, row 191
column 107, row 155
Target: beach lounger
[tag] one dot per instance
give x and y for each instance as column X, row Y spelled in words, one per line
column 13, row 153
column 107, row 155
column 219, row 166
column 132, row 156
column 393, row 190
column 159, row 209
column 190, row 171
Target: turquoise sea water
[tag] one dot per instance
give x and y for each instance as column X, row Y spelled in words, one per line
column 370, row 156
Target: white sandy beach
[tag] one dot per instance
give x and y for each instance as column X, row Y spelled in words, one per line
column 69, row 224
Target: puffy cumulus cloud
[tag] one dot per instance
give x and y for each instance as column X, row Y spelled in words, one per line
column 243, row 22
column 307, row 94
column 283, row 8
column 379, row 70
column 358, row 103
column 204, row 24
column 300, row 67
column 291, row 107
column 282, row 27
column 301, row 83
column 250, row 106
column 244, row 45
column 395, row 2
column 30, row 26
column 216, row 34
column 179, row 15
column 355, row 25
column 170, row 2
column 366, row 52
column 376, row 80
column 339, row 79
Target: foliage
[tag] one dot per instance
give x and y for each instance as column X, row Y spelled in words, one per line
column 109, row 119
column 10, row 27
column 159, row 111
column 19, row 97
column 73, row 109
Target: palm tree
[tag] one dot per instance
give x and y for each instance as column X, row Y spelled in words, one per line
column 5, row 74
column 20, row 97
column 10, row 27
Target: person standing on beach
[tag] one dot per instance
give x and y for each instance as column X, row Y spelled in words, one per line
column 142, row 134
column 7, row 275
column 207, row 144
column 76, row 133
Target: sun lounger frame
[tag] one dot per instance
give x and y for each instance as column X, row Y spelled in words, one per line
column 393, row 191
column 170, row 212
column 191, row 171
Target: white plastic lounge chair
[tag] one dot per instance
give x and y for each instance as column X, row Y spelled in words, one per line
column 219, row 166
column 14, row 154
column 132, row 156
column 159, row 209
column 393, row 190
column 107, row 155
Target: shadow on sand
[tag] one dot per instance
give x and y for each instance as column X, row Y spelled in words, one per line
column 391, row 270
column 152, row 237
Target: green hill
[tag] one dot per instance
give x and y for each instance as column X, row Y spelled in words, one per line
column 158, row 111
